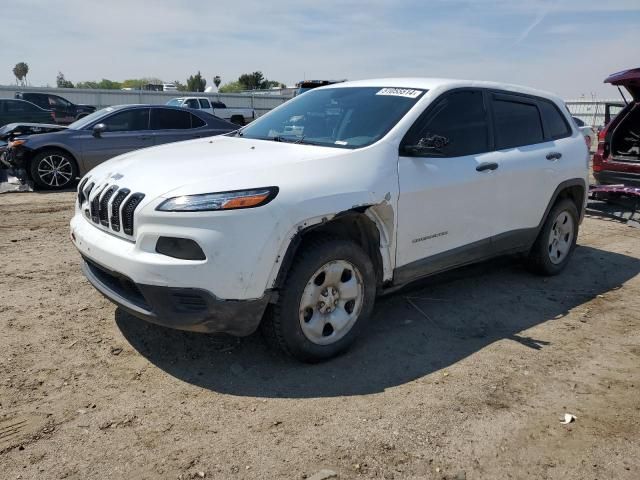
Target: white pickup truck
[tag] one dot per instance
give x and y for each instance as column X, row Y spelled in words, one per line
column 239, row 116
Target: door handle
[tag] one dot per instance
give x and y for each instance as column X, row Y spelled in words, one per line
column 554, row 156
column 144, row 137
column 486, row 166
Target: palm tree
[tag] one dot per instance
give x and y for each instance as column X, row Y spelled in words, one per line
column 20, row 71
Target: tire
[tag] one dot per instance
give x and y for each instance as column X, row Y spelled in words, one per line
column 330, row 323
column 53, row 169
column 556, row 241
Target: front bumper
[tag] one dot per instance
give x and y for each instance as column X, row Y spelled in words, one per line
column 180, row 308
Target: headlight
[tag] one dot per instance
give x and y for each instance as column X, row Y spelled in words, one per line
column 219, row 201
column 16, row 143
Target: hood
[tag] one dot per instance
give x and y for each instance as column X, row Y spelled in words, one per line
column 29, row 128
column 53, row 135
column 86, row 108
column 629, row 79
column 208, row 165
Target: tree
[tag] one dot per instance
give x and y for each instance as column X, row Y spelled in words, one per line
column 20, row 71
column 109, row 84
column 62, row 82
column 252, row 81
column 256, row 81
column 216, row 81
column 180, row 86
column 231, row 87
column 195, row 83
column 88, row 84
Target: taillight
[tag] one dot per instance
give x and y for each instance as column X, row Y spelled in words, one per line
column 53, row 116
column 601, row 152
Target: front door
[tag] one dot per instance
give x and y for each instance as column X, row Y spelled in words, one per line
column 125, row 131
column 447, row 205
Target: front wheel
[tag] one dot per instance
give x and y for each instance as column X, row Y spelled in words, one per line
column 53, row 169
column 557, row 239
column 325, row 302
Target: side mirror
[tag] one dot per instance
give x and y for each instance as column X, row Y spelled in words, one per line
column 98, row 129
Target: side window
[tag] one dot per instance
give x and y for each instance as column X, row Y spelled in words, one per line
column 131, row 120
column 204, row 103
column 197, row 122
column 39, row 100
column 516, row 123
column 169, row 119
column 59, row 102
column 192, row 103
column 454, row 126
column 555, row 126
column 18, row 107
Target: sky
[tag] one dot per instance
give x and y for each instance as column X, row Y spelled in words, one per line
column 566, row 47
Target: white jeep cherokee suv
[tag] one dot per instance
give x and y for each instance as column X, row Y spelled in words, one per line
column 296, row 222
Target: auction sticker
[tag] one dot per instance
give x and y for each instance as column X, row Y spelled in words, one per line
column 400, row 92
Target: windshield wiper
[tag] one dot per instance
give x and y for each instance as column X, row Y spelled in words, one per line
column 287, row 139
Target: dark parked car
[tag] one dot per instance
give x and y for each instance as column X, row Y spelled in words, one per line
column 54, row 160
column 64, row 111
column 617, row 159
column 12, row 111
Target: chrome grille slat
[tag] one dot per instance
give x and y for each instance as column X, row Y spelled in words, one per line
column 103, row 209
column 95, row 205
column 81, row 190
column 128, row 210
column 115, row 208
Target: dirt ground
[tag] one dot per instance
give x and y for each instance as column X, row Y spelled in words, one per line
column 465, row 376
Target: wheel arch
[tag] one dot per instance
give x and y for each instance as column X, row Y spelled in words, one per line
column 368, row 226
column 575, row 190
column 53, row 148
column 32, row 154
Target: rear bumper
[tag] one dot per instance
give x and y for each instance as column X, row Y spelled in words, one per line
column 612, row 177
column 189, row 309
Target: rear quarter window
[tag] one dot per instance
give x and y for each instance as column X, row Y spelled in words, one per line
column 169, row 119
column 517, row 123
column 554, row 121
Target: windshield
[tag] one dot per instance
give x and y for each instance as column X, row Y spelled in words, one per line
column 84, row 121
column 175, row 102
column 351, row 117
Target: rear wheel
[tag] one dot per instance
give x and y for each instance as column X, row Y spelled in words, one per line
column 53, row 169
column 557, row 239
column 325, row 302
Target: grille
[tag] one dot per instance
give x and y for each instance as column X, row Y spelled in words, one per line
column 122, row 285
column 127, row 212
column 109, row 206
column 189, row 302
column 103, row 210
column 115, row 208
column 95, row 205
column 81, row 191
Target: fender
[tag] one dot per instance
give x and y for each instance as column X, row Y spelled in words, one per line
column 381, row 215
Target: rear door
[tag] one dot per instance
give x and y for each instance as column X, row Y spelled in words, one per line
column 447, row 204
column 125, row 131
column 530, row 154
column 173, row 125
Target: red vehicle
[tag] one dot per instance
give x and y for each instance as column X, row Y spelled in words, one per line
column 617, row 160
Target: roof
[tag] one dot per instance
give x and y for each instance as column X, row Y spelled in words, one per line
column 433, row 83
